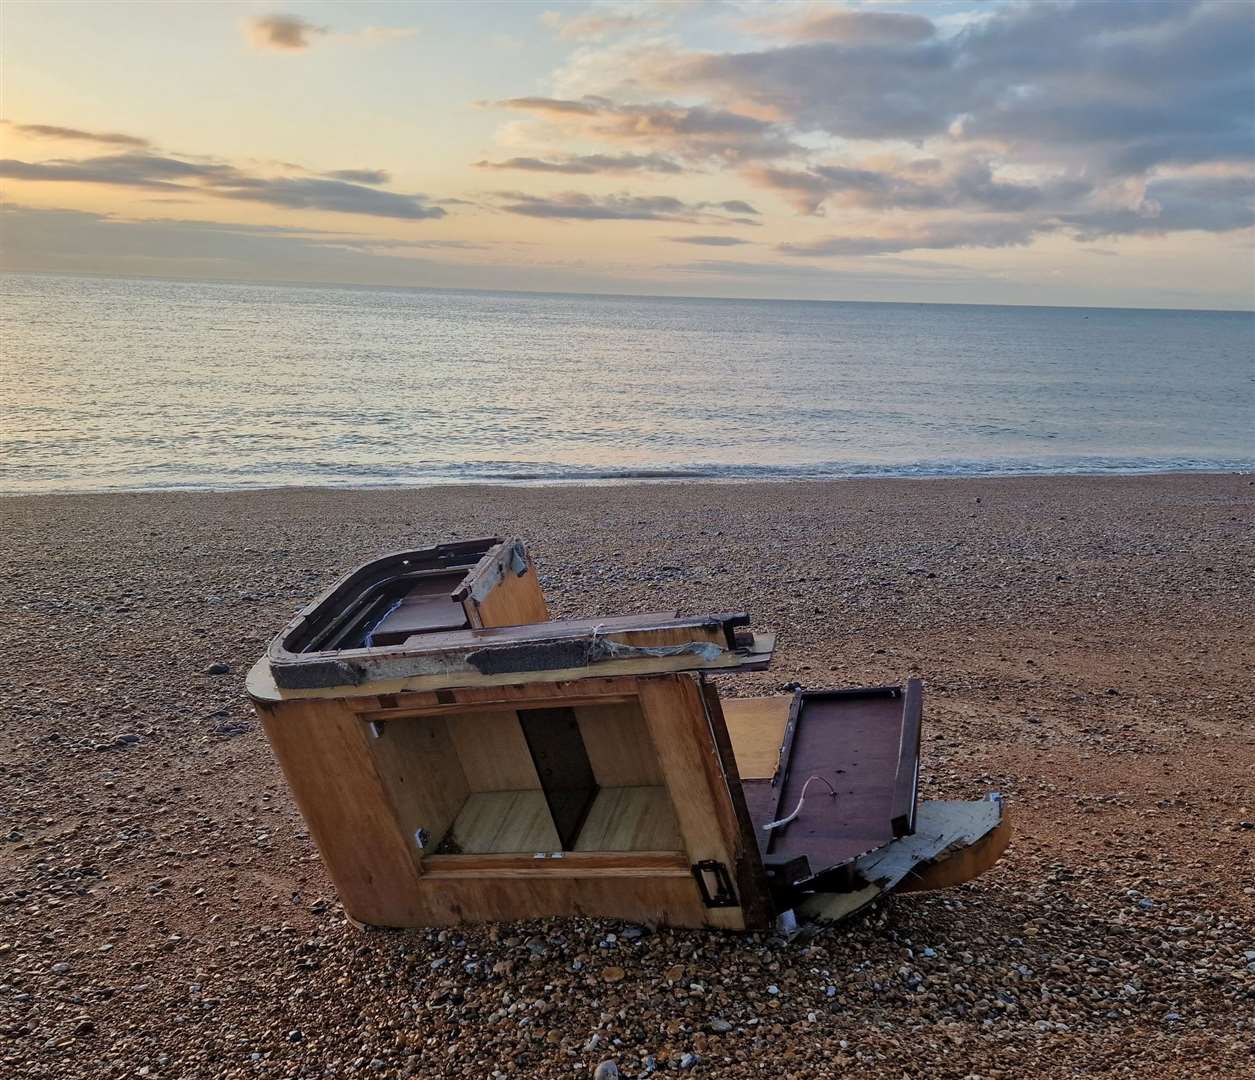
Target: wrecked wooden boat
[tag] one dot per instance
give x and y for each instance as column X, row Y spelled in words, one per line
column 458, row 757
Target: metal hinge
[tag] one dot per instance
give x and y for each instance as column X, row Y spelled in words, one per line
column 723, row 896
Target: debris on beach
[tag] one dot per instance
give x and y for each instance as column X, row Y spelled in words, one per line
column 460, row 757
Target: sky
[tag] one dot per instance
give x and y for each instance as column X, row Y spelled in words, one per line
column 1024, row 153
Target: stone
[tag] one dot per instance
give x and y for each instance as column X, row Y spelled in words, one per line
column 607, row 1070
column 218, row 669
column 613, row 974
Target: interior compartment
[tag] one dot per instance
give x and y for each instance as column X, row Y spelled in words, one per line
column 523, row 781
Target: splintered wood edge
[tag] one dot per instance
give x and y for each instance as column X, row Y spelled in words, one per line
column 261, row 687
column 960, row 864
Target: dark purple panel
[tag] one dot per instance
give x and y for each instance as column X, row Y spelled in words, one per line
column 853, row 739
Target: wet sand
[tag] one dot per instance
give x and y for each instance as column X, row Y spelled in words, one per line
column 1087, row 649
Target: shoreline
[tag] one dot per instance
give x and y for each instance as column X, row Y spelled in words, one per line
column 630, row 481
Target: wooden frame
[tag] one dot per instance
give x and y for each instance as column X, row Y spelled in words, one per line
column 350, row 765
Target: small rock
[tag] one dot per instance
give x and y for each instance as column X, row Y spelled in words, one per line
column 720, row 1026
column 688, row 1061
column 218, row 669
column 607, row 1070
column 613, row 974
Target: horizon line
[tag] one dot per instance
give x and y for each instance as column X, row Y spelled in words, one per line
column 606, row 295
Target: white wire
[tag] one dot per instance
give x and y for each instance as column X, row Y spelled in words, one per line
column 798, row 809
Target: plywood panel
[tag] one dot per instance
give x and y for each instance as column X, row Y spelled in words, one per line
column 655, row 897
column 756, row 728
column 676, row 718
column 619, row 745
column 630, row 819
column 492, row 751
column 321, row 747
column 513, row 601
column 419, row 767
column 503, row 821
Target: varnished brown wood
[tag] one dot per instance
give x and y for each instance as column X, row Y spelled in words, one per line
column 513, row 601
column 574, row 863
column 619, row 747
column 321, row 747
column 491, row 749
column 422, row 772
column 747, row 867
column 675, row 717
column 666, row 897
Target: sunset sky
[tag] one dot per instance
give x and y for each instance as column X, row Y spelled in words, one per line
column 959, row 152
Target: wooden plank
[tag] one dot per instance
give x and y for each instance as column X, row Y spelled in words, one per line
column 573, row 693
column 656, row 897
column 419, row 765
column 492, row 751
column 515, row 600
column 630, row 819
column 618, row 744
column 572, row 863
column 906, row 779
column 321, row 747
column 502, row 821
column 262, row 688
column 676, row 719
column 963, row 863
column 502, row 588
column 756, row 729
column 748, row 870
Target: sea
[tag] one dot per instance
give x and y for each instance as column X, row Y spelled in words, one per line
column 112, row 384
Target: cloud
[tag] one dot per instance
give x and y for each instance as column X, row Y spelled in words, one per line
column 302, row 193
column 282, row 33
column 588, row 164
column 1070, row 80
column 1027, row 119
column 734, row 206
column 924, row 184
column 360, row 176
column 577, row 206
column 291, row 33
column 1174, row 204
column 600, row 23
column 574, row 206
column 845, row 25
column 709, row 241
column 694, row 132
column 52, row 131
column 226, row 181
column 1001, row 232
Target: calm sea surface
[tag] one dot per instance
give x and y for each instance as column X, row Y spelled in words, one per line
column 122, row 384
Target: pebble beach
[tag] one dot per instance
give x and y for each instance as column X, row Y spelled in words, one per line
column 1087, row 649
